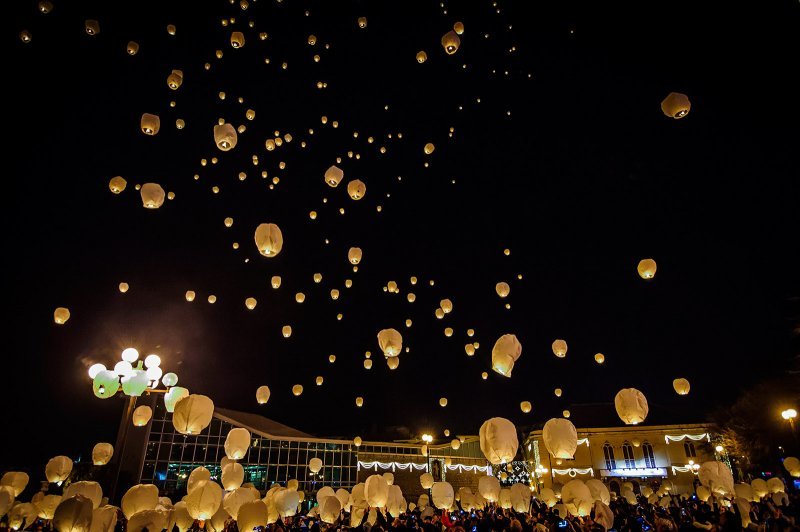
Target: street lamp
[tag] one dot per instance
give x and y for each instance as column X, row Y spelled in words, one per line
column 789, row 414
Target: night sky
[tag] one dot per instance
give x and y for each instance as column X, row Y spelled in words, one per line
column 582, row 180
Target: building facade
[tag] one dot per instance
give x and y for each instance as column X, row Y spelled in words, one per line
column 642, row 455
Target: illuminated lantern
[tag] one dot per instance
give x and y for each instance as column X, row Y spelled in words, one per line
column 389, row 478
column 135, row 383
column 421, row 56
column 393, row 362
column 45, row 7
column 489, row 488
column 520, row 497
column 225, row 136
column 676, row 105
column 90, row 490
column 232, row 502
column 237, row 39
column 717, row 477
column 505, row 496
column 362, row 22
column 395, row 504
column 367, row 364
column 502, row 289
column 252, row 515
column 146, row 520
column 558, row 392
column 101, row 454
column 450, row 42
column 105, row 384
column 423, row 500
column 275, row 281
column 334, row 294
column 193, row 414
column 455, row 444
column 560, row 438
column 525, row 406
column 779, row 498
column 354, row 255
column 442, row 495
column 175, row 79
column 16, row 480
column 599, row 491
column 269, row 239
column 171, row 29
column 390, row 342
column 150, row 124
column 297, row 389
column 443, row 402
column 560, row 348
column 631, row 406
column 792, row 465
column 300, row 297
column 507, row 349
column 359, row 402
column 61, row 315
column 470, row 349
column 426, row 481
column 576, row 492
column 429, row 148
column 329, row 509
column 236, row 443
column 92, row 27
column 132, row 48
column 681, row 386
column 142, row 415
column 190, row 295
column 458, row 27
column 117, row 184
column 201, row 474
column 74, row 514
column 58, row 469
column 484, row 375
column 286, row 502
column 774, row 485
column 646, row 268
column 123, row 287
column 356, row 189
column 204, row 500
column 376, row 491
column 173, row 395
column 333, row 176
column 744, row 491
column 599, row 358
column 152, row 195
column 232, row 476
column 250, row 303
column 498, row 440
column 357, row 441
column 315, row 465
column 139, row 498
column 319, row 380
column 446, row 305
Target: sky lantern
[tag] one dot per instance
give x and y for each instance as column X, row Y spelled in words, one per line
column 359, row 402
column 599, row 358
column 319, row 380
column 470, row 349
column 252, row 515
column 141, row 416
column 676, row 105
column 357, row 441
column 85, row 488
column 297, row 390
column 250, row 303
column 333, row 176
column 426, row 481
column 442, row 495
column 498, row 440
column 393, row 362
column 443, row 401
column 74, row 514
column 237, row 39
column 646, row 269
column 47, row 505
column 560, row 348
column 376, row 491
column 334, row 294
column 599, row 491
column 717, row 477
column 45, row 6
column 58, row 469
column 117, row 184
column 139, row 498
column 299, row 297
column 502, row 289
column 173, row 395
column 631, row 406
column 152, row 195
column 429, row 148
column 367, row 364
column 225, row 136
column 237, row 442
column 506, row 351
column 145, row 520
column 175, row 79
column 315, row 465
column 489, row 488
column 204, row 500
column 356, row 189
column 123, row 287
column 455, row 444
column 132, row 48
column 262, row 395
column 362, row 22
column 557, row 392
column 61, row 315
column 150, row 124
column 525, row 406
column 792, row 465
column 450, row 42
column 354, row 255
column 105, row 384
column 329, row 509
column 92, row 27
column 232, row 476
column 390, row 342
column 565, row 413
column 193, row 414
column 422, row 56
column 16, row 480
column 190, row 295
column 560, row 438
column 681, row 386
column 458, row 27
column 446, row 305
column 275, row 281
column 269, row 239
column 484, row 375
column 286, row 331
column 171, row 29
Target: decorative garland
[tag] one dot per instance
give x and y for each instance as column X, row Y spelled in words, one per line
column 421, row 467
column 695, row 437
column 574, row 471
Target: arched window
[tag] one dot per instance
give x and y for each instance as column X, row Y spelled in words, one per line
column 627, row 453
column 688, row 448
column 608, row 453
column 647, row 453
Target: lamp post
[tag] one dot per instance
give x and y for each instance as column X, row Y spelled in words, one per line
column 428, row 439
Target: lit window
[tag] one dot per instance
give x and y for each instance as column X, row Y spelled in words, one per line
column 647, row 452
column 608, row 453
column 627, row 453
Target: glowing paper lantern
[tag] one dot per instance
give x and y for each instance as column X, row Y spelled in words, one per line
column 426, row 481
column 92, row 27
column 520, row 497
column 147, row 520
column 204, row 500
column 631, row 406
column 150, row 124
column 525, row 406
column 141, row 416
column 315, row 465
column 333, row 176
column 390, row 342
column 61, row 315
column 132, row 48
column 16, row 480
column 489, row 488
column 389, row 478
column 135, row 382
column 354, row 255
column 237, row 39
column 443, row 401
column 173, row 395
column 507, row 349
column 232, row 476
column 362, row 22
column 252, row 515
column 190, row 295
column 269, row 239
column 152, row 195
column 225, row 136
column 357, row 441
column 681, row 386
column 329, row 509
column 105, row 384
column 792, row 465
column 676, row 105
column 774, row 485
column 744, row 491
column 576, row 492
column 717, row 477
column 356, row 189
column 236, row 443
column 250, row 303
column 560, row 348
column 101, row 453
column 74, row 514
column 429, row 148
column 200, row 474
column 376, row 491
column 599, row 358
column 85, row 488
column 193, row 414
column 117, row 184
column 275, row 281
column 421, row 56
column 646, row 268
column 442, row 495
column 297, row 389
column 599, row 491
column 446, row 305
column 139, row 498
column 560, row 438
column 175, row 79
column 498, row 440
column 286, row 502
column 502, row 289
column 58, row 469
column 450, row 42
column 359, row 402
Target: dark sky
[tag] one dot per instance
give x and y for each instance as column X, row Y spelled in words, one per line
column 584, row 179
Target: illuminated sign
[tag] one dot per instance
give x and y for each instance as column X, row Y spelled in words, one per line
column 634, row 472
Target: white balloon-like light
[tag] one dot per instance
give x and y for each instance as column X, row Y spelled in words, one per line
column 152, row 361
column 130, row 355
column 95, row 369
